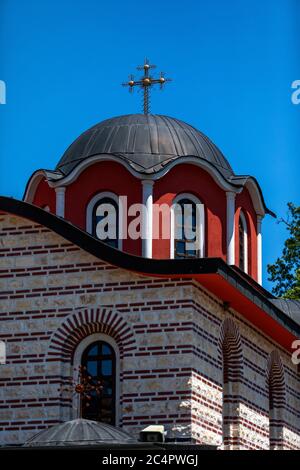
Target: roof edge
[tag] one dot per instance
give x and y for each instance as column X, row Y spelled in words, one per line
column 146, row 266
column 234, row 183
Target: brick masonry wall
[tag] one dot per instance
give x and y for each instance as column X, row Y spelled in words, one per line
column 53, row 294
column 253, row 414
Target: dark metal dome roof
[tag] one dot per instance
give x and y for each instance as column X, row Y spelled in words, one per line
column 146, row 142
column 80, row 432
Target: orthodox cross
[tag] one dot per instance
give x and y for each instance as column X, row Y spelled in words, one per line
column 85, row 387
column 146, row 82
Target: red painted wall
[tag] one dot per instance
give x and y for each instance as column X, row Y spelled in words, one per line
column 184, row 178
column 191, row 179
column 102, row 176
column 243, row 202
column 45, row 196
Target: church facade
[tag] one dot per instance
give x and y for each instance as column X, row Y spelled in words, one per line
column 176, row 331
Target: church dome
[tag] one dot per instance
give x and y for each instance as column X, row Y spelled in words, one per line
column 80, row 432
column 145, row 142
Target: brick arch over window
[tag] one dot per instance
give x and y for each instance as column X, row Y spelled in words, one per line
column 231, row 351
column 277, row 399
column 231, row 355
column 85, row 322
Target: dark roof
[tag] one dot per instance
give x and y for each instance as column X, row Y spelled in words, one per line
column 289, row 307
column 79, row 432
column 157, row 267
column 147, row 142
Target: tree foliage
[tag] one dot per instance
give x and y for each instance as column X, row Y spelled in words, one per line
column 285, row 272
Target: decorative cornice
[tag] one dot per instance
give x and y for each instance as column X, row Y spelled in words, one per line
column 233, row 184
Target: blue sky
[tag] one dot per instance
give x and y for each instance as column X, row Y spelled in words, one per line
column 232, row 64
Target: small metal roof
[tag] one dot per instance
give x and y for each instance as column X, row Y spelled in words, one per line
column 290, row 307
column 80, row 432
column 147, row 142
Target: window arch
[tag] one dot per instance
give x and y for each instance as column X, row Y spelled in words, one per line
column 99, row 354
column 231, row 355
column 277, row 400
column 104, row 218
column 187, row 227
column 243, row 243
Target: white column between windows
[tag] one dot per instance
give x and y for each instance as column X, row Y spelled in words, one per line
column 147, row 219
column 60, row 201
column 259, row 249
column 230, row 227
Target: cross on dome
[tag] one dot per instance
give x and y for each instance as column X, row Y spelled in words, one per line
column 146, row 82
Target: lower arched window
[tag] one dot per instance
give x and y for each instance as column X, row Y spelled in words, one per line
column 187, row 222
column 99, row 371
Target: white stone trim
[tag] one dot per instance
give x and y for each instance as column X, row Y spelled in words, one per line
column 60, row 200
column 250, row 184
column 201, row 228
column 256, row 197
column 77, row 362
column 91, row 205
column 2, row 352
column 216, row 175
column 230, row 227
column 33, row 183
column 245, row 232
column 147, row 218
column 259, row 249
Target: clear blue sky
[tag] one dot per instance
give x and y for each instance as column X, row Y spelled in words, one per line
column 232, row 64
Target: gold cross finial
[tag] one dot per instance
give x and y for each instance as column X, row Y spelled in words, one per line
column 146, row 82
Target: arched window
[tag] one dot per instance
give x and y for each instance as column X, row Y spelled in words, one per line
column 243, row 243
column 187, row 227
column 99, row 363
column 103, row 218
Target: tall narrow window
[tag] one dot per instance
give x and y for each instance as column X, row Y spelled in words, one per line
column 187, row 228
column 99, row 361
column 243, row 243
column 105, row 221
column 103, row 218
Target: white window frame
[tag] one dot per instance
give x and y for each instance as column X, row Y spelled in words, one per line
column 77, row 362
column 90, row 208
column 243, row 220
column 201, row 228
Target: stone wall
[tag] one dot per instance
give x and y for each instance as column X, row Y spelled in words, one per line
column 249, row 389
column 168, row 332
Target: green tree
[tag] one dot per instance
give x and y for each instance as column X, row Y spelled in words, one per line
column 285, row 272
